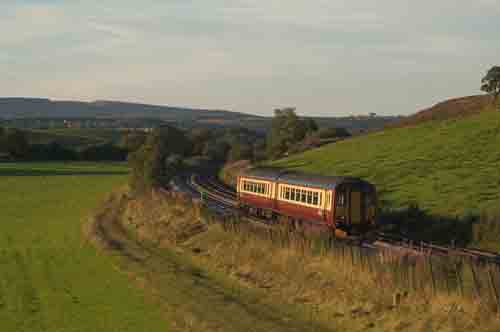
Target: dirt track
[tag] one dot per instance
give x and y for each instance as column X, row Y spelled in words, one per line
column 192, row 298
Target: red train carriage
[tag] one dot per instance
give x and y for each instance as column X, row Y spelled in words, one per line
column 344, row 203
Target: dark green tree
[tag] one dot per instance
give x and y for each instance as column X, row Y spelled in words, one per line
column 310, row 125
column 240, row 151
column 333, row 132
column 491, row 83
column 2, row 140
column 16, row 143
column 286, row 129
column 149, row 163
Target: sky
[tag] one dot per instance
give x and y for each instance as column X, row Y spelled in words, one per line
column 324, row 57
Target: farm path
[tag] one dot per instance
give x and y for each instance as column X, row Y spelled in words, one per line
column 192, row 299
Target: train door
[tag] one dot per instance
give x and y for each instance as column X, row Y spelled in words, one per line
column 349, row 209
column 355, row 206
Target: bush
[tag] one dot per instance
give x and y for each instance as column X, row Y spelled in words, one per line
column 333, row 132
column 103, row 152
column 52, row 151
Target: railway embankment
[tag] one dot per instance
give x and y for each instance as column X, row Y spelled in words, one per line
column 233, row 274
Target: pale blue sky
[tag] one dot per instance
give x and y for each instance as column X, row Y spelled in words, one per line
column 326, row 57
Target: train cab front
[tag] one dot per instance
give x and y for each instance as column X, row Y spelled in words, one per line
column 355, row 210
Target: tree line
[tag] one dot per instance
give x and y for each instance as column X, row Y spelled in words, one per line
column 15, row 145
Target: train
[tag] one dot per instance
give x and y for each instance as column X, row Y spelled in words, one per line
column 346, row 205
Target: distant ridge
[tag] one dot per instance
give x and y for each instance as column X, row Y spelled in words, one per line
column 39, row 108
column 46, row 108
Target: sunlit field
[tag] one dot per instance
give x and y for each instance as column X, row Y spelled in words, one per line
column 50, row 278
column 448, row 167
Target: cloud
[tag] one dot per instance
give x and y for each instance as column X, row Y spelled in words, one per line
column 250, row 55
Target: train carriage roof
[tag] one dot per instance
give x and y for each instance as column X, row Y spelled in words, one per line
column 301, row 179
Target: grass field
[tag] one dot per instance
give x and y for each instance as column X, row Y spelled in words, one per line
column 447, row 167
column 50, row 279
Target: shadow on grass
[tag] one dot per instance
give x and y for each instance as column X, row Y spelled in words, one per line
column 420, row 225
column 14, row 172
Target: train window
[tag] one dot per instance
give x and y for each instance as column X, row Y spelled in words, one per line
column 287, row 193
column 315, row 200
column 304, row 196
column 341, row 199
column 292, row 194
column 309, row 197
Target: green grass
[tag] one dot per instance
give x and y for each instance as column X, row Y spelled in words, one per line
column 447, row 167
column 50, row 278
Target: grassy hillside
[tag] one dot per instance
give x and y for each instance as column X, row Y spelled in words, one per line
column 452, row 108
column 448, row 167
column 50, row 279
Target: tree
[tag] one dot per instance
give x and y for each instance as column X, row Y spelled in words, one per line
column 286, row 129
column 333, row 132
column 491, row 83
column 150, row 164
column 240, row 151
column 310, row 125
column 2, row 140
column 132, row 140
column 16, row 143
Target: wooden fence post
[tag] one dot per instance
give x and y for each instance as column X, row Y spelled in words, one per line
column 432, row 277
column 493, row 288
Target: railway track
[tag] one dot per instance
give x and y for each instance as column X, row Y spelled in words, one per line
column 224, row 199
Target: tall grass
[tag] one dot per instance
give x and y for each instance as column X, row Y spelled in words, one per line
column 416, row 272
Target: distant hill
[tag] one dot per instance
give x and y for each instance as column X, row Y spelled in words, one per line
column 452, row 108
column 46, row 108
column 31, row 108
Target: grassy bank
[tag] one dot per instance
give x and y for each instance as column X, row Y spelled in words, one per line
column 448, row 168
column 50, row 279
column 320, row 292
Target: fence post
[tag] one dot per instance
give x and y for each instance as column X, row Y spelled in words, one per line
column 459, row 280
column 493, row 288
column 432, row 276
column 477, row 289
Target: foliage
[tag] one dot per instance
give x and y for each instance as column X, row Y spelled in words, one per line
column 240, row 151
column 223, row 144
column 150, row 165
column 286, row 130
column 132, row 140
column 2, row 140
column 491, row 82
column 103, row 152
column 14, row 142
column 333, row 132
column 50, row 278
column 52, row 151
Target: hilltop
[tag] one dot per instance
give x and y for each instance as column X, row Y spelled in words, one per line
column 452, row 108
column 447, row 167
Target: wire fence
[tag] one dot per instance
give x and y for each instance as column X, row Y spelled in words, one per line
column 416, row 272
